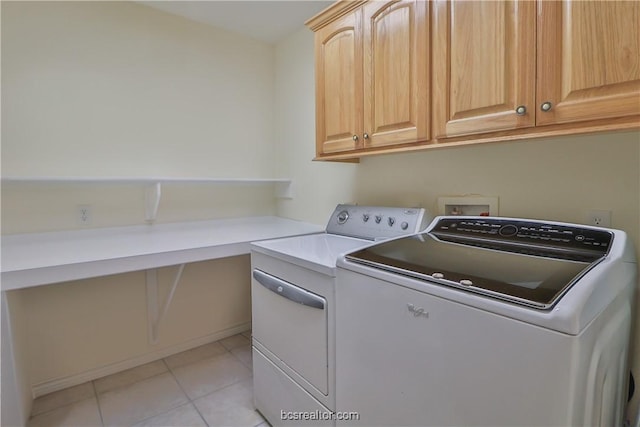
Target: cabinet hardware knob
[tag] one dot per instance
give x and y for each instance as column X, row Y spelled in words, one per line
column 355, row 137
column 521, row 110
column 546, row 106
column 365, row 136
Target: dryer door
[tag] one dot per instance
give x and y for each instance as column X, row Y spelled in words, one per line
column 291, row 323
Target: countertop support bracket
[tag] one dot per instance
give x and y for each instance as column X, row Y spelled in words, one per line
column 152, row 201
column 285, row 190
column 154, row 313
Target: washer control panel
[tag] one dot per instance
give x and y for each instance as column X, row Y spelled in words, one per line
column 377, row 222
column 525, row 232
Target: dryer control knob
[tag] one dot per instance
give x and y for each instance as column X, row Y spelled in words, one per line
column 343, row 216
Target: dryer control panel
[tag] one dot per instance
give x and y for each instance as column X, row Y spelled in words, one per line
column 376, row 222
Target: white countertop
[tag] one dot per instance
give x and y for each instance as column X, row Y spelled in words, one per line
column 318, row 252
column 43, row 258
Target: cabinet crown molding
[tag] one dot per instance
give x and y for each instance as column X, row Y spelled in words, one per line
column 336, row 10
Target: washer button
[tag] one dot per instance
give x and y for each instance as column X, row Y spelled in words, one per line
column 378, row 219
column 437, row 276
column 391, row 220
column 404, row 225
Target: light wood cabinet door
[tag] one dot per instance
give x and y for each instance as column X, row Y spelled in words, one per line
column 339, row 84
column 588, row 60
column 484, row 66
column 396, row 74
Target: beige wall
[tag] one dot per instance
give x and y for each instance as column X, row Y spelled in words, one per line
column 555, row 179
column 78, row 327
column 28, row 208
column 120, row 89
column 319, row 185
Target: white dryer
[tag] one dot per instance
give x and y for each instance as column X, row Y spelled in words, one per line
column 487, row 321
column 293, row 311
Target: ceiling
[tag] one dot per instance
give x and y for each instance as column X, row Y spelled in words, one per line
column 266, row 20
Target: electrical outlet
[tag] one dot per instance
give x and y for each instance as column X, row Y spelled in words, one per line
column 599, row 218
column 83, row 214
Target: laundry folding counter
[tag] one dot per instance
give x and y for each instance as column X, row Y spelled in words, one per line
column 40, row 259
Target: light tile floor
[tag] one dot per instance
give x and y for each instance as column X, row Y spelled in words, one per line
column 211, row 385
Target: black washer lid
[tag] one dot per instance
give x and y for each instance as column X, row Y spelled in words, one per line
column 524, row 262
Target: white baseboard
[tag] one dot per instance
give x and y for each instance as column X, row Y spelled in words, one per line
column 61, row 383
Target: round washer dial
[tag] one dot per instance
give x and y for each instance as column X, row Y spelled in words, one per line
column 508, row 230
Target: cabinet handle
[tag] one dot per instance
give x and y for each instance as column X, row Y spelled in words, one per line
column 546, row 106
column 355, row 137
column 365, row 136
column 521, row 110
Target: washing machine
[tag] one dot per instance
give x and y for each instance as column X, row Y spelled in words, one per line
column 487, row 321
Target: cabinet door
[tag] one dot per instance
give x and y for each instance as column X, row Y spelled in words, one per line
column 396, row 79
column 339, row 85
column 588, row 60
column 484, row 66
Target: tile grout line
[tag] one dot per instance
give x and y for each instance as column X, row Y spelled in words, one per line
column 220, row 389
column 120, row 387
column 163, row 413
column 170, row 371
column 129, row 384
column 63, row 405
column 199, row 413
column 242, row 361
column 190, row 401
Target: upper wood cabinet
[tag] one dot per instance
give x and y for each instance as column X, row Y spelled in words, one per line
column 372, row 80
column 484, row 66
column 409, row 74
column 396, row 77
column 514, row 64
column 588, row 60
column 339, row 84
